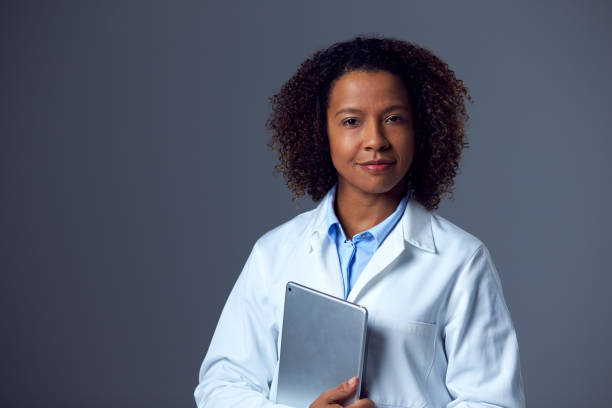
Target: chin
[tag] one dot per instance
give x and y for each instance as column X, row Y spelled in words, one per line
column 374, row 185
column 380, row 189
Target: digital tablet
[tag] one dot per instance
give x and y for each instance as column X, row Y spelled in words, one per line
column 323, row 343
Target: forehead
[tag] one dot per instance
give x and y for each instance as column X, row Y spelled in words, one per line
column 364, row 89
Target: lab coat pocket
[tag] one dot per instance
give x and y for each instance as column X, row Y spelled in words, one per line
column 400, row 354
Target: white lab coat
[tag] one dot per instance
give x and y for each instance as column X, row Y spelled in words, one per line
column 440, row 334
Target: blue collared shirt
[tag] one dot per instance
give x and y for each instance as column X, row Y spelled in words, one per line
column 354, row 254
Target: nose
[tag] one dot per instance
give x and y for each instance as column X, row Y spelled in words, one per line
column 374, row 138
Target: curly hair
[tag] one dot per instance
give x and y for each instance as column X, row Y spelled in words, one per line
column 299, row 124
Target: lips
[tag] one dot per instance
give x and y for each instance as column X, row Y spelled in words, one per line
column 377, row 166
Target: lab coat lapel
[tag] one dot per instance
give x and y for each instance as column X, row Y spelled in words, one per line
column 328, row 277
column 414, row 228
column 390, row 249
column 325, row 272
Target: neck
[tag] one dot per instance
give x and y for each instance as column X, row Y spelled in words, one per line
column 358, row 212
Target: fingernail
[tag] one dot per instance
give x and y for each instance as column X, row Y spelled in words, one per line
column 352, row 381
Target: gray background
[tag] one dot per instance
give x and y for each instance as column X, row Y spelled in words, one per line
column 135, row 178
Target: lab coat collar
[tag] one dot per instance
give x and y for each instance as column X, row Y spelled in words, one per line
column 415, row 224
column 414, row 229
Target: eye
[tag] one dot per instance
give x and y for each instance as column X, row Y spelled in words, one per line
column 350, row 122
column 394, row 119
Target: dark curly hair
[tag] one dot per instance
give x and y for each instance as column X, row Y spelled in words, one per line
column 299, row 124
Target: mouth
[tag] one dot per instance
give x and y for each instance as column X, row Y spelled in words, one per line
column 377, row 166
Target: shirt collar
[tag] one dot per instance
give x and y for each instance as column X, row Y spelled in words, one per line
column 382, row 229
column 379, row 232
column 415, row 223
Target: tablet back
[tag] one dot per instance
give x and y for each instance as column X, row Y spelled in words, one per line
column 323, row 344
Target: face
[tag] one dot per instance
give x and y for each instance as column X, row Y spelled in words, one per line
column 371, row 133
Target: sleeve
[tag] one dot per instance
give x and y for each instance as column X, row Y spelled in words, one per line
column 480, row 342
column 238, row 368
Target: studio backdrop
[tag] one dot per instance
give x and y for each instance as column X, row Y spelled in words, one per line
column 135, row 179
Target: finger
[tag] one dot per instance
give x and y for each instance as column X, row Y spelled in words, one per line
column 341, row 392
column 363, row 403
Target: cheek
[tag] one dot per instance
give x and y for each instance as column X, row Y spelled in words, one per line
column 340, row 151
column 407, row 152
column 336, row 156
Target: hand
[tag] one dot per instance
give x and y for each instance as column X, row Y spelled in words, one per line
column 333, row 398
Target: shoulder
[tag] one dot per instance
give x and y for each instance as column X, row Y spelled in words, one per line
column 288, row 234
column 470, row 255
column 278, row 250
column 430, row 231
column 271, row 251
column 451, row 238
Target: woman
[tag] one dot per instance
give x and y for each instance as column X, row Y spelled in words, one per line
column 372, row 128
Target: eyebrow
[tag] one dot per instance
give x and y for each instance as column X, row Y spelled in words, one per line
column 389, row 109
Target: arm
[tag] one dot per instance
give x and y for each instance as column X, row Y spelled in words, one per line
column 480, row 342
column 240, row 362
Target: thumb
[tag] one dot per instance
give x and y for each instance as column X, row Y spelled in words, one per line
column 344, row 390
